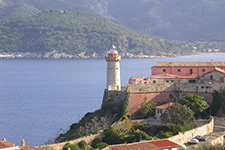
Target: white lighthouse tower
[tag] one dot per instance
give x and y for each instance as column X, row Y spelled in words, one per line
column 113, row 70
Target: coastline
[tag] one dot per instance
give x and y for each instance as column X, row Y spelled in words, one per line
column 62, row 55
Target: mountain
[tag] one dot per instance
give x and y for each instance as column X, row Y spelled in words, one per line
column 79, row 33
column 172, row 19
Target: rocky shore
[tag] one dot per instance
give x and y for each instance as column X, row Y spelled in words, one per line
column 61, row 55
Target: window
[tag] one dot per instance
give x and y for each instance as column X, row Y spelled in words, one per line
column 203, row 70
column 160, row 111
column 192, row 81
column 167, row 80
column 164, row 70
column 154, row 81
column 178, row 70
column 191, row 71
column 211, row 77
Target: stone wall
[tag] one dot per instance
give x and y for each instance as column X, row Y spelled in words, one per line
column 163, row 93
column 219, row 121
column 59, row 146
column 186, row 136
column 218, row 140
column 113, row 99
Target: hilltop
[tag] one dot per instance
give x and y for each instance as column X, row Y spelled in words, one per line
column 79, row 33
column 172, row 19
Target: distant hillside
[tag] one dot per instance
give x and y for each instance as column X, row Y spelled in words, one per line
column 77, row 32
column 172, row 19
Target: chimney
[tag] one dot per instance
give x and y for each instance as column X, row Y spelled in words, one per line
column 3, row 139
column 22, row 143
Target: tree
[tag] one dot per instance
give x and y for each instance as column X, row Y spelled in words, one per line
column 148, row 108
column 83, row 145
column 123, row 127
column 95, row 142
column 196, row 103
column 218, row 102
column 102, row 145
column 71, row 147
column 141, row 135
column 178, row 114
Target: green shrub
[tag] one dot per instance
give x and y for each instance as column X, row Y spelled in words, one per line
column 128, row 138
column 72, row 147
column 83, row 145
column 125, row 103
column 148, row 109
column 102, row 145
column 110, row 137
column 95, row 142
column 141, row 135
column 166, row 134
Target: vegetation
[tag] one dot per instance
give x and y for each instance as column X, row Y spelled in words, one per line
column 125, row 103
column 83, row 145
column 102, row 145
column 178, row 114
column 208, row 146
column 148, row 108
column 123, row 127
column 218, row 103
column 111, row 137
column 77, row 32
column 181, row 20
column 95, row 142
column 89, row 124
column 196, row 103
column 72, row 147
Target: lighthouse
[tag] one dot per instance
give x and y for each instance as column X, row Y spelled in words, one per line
column 113, row 70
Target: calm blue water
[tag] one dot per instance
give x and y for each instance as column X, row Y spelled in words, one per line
column 41, row 98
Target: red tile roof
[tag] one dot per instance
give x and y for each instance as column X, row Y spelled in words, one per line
column 189, row 64
column 5, row 144
column 216, row 69
column 165, row 105
column 165, row 144
column 137, row 78
column 147, row 145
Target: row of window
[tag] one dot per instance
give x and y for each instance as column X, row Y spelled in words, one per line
column 159, row 111
column 179, row 70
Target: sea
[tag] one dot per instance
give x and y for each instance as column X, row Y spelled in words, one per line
column 41, row 98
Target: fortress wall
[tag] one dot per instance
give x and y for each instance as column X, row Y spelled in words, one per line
column 163, row 93
column 136, row 99
column 186, row 136
column 59, row 146
column 220, row 121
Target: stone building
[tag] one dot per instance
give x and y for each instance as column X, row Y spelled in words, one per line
column 138, row 80
column 159, row 110
column 172, row 81
column 5, row 145
column 186, row 68
column 215, row 75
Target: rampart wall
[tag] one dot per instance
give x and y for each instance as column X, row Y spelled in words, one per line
column 186, row 136
column 218, row 140
column 161, row 93
column 59, row 146
column 219, row 121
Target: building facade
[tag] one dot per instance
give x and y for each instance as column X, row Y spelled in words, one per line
column 186, row 68
column 173, row 84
